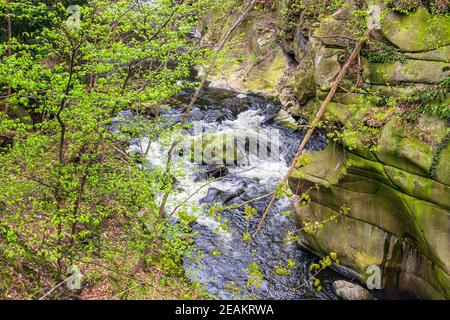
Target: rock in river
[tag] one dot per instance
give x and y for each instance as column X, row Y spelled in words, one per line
column 350, row 291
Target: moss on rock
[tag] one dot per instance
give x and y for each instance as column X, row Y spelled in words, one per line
column 402, row 152
column 418, row 31
column 415, row 71
column 386, row 204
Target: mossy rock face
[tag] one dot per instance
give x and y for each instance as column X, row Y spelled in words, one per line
column 443, row 168
column 357, row 244
column 304, row 85
column 347, row 98
column 415, row 71
column 440, row 54
column 347, row 114
column 388, row 205
column 325, row 169
column 397, row 195
column 263, row 77
column 256, row 63
column 400, row 151
column 350, row 115
column 336, row 24
column 394, row 91
column 436, row 128
column 337, row 112
column 420, row 187
column 418, row 31
column 306, row 110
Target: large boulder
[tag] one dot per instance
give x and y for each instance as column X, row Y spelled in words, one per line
column 264, row 76
column 260, row 77
column 336, row 30
column 256, row 62
column 304, row 85
column 398, row 218
column 418, row 31
column 350, row 291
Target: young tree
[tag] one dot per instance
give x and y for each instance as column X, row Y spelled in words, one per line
column 66, row 180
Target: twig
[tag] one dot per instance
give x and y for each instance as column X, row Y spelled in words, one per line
column 115, row 271
column 52, row 289
column 307, row 281
column 237, row 206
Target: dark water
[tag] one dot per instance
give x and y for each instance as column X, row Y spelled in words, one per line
column 220, row 261
column 221, row 258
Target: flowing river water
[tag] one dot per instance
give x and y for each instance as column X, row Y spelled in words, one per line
column 222, row 258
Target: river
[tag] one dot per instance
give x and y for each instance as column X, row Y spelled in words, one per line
column 221, row 258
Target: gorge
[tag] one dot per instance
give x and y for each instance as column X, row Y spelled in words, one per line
column 153, row 146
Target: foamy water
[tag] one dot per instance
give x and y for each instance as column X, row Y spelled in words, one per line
column 252, row 177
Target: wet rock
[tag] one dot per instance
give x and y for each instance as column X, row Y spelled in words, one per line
column 216, row 149
column 233, row 195
column 284, row 119
column 214, row 195
column 212, row 172
column 350, row 291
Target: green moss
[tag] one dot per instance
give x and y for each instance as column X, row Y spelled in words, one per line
column 419, row 187
column 325, row 169
column 440, row 54
column 264, row 76
column 400, row 151
column 442, row 171
column 408, row 71
column 384, row 204
column 419, row 31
